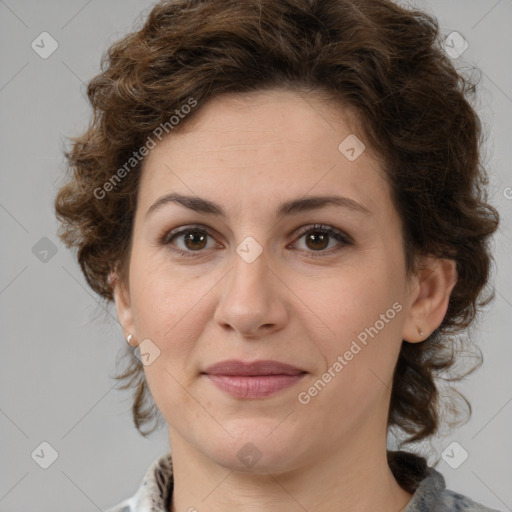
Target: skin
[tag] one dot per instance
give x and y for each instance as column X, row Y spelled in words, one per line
column 249, row 153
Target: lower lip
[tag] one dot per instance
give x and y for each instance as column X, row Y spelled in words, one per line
column 241, row 386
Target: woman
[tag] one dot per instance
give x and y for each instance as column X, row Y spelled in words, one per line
column 285, row 200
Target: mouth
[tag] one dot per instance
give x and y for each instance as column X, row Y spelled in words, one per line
column 258, row 379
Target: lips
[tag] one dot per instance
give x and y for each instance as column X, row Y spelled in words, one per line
column 235, row 367
column 253, row 380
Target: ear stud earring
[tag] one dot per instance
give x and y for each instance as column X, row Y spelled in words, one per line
column 129, row 338
column 420, row 331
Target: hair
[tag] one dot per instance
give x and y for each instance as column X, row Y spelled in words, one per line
column 383, row 61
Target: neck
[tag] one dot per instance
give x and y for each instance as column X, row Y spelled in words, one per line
column 354, row 477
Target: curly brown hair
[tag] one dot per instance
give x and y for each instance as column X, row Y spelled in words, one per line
column 384, row 61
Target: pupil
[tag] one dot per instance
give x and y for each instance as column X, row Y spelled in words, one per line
column 192, row 235
column 323, row 237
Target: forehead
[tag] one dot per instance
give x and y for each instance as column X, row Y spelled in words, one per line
column 265, row 145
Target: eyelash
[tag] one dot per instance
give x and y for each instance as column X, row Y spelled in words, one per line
column 334, row 233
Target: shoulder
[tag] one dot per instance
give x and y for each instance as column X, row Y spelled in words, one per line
column 432, row 495
column 428, row 486
column 453, row 501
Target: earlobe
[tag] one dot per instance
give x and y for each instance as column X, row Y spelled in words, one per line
column 123, row 306
column 431, row 299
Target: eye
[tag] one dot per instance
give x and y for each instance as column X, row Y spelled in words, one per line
column 195, row 238
column 318, row 237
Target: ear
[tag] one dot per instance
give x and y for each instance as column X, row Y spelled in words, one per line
column 430, row 296
column 123, row 307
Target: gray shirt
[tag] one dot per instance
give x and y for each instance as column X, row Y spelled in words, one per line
column 425, row 483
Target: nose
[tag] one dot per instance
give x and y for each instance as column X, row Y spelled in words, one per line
column 252, row 302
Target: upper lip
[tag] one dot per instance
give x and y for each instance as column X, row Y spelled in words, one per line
column 267, row 367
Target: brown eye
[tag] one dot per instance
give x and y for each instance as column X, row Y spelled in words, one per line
column 187, row 241
column 317, row 240
column 318, row 237
column 195, row 240
column 192, row 241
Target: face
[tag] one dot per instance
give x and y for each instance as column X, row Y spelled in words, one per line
column 322, row 289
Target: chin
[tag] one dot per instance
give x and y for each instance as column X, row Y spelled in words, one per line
column 256, row 447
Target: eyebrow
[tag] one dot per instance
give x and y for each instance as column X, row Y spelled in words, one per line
column 294, row 206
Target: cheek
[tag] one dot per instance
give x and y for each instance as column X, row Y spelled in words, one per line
column 167, row 310
column 361, row 324
column 351, row 299
column 358, row 364
column 167, row 301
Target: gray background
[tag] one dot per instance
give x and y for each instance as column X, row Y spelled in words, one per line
column 59, row 346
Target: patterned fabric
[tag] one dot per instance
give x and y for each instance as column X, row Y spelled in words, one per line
column 429, row 495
